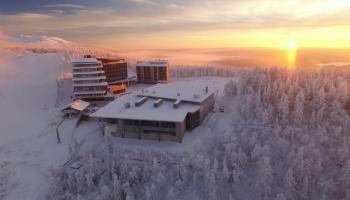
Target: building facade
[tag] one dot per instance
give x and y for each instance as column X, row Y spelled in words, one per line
column 115, row 69
column 161, row 112
column 153, row 71
column 89, row 80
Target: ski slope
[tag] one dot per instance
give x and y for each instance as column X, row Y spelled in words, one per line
column 28, row 92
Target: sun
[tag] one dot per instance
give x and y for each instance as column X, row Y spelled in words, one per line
column 293, row 44
column 292, row 53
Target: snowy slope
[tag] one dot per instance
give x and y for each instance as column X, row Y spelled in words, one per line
column 36, row 39
column 28, row 92
column 33, row 42
column 21, row 79
column 29, row 104
column 33, row 86
column 48, row 44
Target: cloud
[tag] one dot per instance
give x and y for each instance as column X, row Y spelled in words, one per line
column 56, row 12
column 65, row 5
column 185, row 17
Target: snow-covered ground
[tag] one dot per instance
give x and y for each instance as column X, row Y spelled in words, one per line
column 28, row 92
column 31, row 93
column 284, row 135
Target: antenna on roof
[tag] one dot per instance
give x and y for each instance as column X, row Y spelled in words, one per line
column 127, row 105
column 206, row 89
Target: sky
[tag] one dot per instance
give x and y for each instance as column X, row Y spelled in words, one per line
column 166, row 24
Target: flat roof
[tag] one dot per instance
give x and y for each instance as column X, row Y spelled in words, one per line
column 152, row 63
column 112, row 60
column 89, row 92
column 166, row 112
column 124, row 80
column 195, row 92
column 85, row 60
column 78, row 104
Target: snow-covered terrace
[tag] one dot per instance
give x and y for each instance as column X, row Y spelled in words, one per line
column 165, row 112
column 88, row 67
column 89, row 78
column 89, row 84
column 90, row 92
column 87, row 73
column 85, row 60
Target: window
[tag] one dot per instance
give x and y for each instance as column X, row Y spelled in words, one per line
column 147, row 123
column 130, row 122
column 167, row 124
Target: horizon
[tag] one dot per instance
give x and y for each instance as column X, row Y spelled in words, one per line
column 174, row 99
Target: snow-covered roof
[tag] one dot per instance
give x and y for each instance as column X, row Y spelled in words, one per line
column 97, row 66
column 90, row 84
column 195, row 92
column 89, row 92
column 118, row 109
column 85, row 60
column 124, row 80
column 152, row 63
column 93, row 72
column 78, row 104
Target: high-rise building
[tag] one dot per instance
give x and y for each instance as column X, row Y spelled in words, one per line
column 89, row 80
column 152, row 71
column 115, row 69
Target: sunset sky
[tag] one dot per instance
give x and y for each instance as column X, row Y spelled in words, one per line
column 139, row 24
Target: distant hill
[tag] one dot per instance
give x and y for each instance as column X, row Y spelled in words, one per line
column 46, row 44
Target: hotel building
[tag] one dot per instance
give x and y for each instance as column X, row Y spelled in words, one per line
column 152, row 71
column 115, row 69
column 89, row 80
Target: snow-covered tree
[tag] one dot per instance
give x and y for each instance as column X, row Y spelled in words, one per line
column 298, row 110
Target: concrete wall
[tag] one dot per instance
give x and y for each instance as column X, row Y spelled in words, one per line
column 206, row 107
column 180, row 130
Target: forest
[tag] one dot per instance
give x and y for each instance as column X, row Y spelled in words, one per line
column 289, row 139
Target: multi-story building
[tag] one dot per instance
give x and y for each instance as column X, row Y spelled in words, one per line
column 161, row 112
column 89, row 80
column 153, row 71
column 115, row 69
